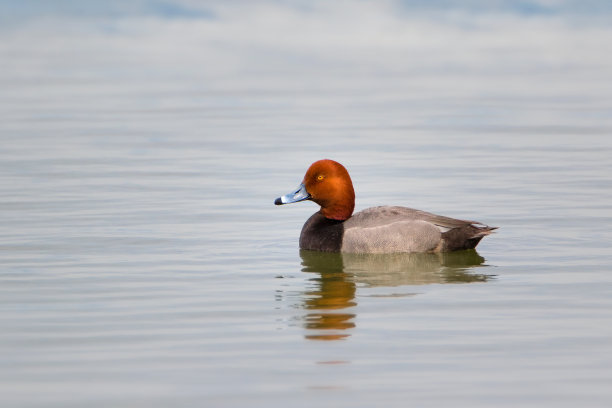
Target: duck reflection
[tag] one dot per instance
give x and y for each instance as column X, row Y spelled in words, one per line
column 337, row 275
column 334, row 290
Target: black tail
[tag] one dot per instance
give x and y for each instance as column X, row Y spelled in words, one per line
column 465, row 237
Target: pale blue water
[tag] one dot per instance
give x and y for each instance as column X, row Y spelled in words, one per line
column 143, row 263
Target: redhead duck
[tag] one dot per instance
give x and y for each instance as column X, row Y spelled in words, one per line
column 385, row 229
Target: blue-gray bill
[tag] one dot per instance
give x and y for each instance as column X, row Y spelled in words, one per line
column 298, row 195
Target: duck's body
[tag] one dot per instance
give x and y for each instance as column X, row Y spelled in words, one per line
column 390, row 229
column 383, row 229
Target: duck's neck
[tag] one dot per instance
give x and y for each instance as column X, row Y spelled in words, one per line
column 338, row 212
column 340, row 207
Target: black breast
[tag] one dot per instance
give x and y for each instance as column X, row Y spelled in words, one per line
column 322, row 234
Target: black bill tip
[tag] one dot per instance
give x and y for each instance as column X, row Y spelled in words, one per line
column 278, row 201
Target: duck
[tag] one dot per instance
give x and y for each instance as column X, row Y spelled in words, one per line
column 382, row 229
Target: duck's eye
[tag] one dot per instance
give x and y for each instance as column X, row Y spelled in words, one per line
column 320, row 177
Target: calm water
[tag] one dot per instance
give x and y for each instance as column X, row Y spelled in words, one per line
column 143, row 263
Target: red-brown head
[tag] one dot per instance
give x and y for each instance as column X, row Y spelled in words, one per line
column 328, row 184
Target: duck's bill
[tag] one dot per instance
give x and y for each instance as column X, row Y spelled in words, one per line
column 298, row 195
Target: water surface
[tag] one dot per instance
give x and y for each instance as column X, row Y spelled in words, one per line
column 143, row 263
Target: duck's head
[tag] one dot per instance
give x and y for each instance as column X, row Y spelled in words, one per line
column 328, row 184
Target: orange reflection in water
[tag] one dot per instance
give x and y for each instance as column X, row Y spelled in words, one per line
column 336, row 277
